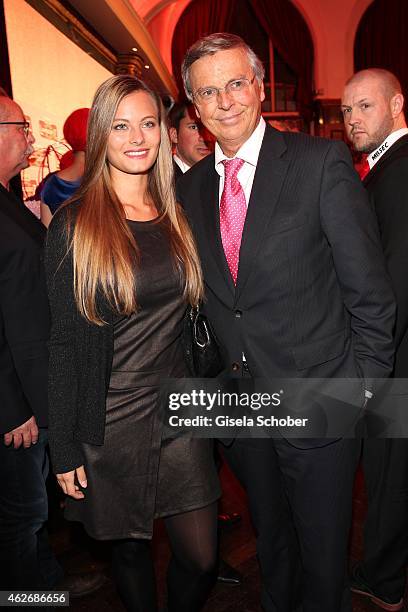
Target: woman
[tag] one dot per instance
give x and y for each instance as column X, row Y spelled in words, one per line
column 60, row 186
column 121, row 266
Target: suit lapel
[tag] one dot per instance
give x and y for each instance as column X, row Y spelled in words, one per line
column 269, row 177
column 11, row 206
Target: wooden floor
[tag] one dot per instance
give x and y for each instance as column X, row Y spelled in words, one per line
column 78, row 553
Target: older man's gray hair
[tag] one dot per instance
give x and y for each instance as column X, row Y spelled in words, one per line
column 211, row 44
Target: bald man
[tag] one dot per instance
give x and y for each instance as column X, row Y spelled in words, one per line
column 372, row 107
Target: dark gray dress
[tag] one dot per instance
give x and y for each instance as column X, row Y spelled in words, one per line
column 138, row 475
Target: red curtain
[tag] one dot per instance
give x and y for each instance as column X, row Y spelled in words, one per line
column 381, row 39
column 200, row 18
column 291, row 37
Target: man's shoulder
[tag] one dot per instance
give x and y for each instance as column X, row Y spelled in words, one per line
column 392, row 168
column 197, row 173
column 399, row 151
column 301, row 147
column 300, row 140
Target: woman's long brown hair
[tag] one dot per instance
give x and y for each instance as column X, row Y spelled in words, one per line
column 103, row 247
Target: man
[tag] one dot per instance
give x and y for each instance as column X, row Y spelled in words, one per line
column 296, row 287
column 24, row 324
column 372, row 106
column 25, row 557
column 191, row 140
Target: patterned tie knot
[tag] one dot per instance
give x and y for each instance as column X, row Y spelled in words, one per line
column 232, row 167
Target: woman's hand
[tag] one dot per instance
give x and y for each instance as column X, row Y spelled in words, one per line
column 67, row 482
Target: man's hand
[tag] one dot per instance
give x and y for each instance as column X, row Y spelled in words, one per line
column 25, row 434
column 67, row 482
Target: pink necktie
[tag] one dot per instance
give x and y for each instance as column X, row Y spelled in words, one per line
column 233, row 211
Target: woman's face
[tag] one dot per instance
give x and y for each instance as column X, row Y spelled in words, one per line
column 134, row 140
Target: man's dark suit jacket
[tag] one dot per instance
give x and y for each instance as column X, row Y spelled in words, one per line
column 387, row 185
column 24, row 316
column 313, row 298
column 178, row 173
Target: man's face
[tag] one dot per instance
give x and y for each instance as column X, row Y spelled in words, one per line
column 367, row 114
column 15, row 146
column 231, row 117
column 193, row 141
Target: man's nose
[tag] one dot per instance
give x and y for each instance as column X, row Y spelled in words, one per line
column 224, row 99
column 353, row 118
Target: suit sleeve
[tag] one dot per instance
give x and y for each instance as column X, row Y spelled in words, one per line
column 351, row 229
column 391, row 202
column 63, row 379
column 25, row 327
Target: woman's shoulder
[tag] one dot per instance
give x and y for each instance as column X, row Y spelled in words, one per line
column 62, row 224
column 65, row 214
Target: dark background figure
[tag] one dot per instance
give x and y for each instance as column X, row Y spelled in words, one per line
column 305, row 294
column 374, row 119
column 26, row 559
column 61, row 185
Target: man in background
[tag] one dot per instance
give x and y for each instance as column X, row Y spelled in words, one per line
column 372, row 106
column 26, row 560
column 191, row 140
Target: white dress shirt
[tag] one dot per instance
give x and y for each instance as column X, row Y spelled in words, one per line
column 182, row 165
column 249, row 152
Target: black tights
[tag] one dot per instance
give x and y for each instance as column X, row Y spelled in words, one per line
column 192, row 570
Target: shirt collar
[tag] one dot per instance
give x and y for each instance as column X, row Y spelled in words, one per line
column 182, row 165
column 385, row 145
column 249, row 151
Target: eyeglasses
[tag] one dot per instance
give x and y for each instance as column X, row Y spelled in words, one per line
column 25, row 125
column 206, row 95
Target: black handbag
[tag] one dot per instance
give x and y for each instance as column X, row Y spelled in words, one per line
column 201, row 348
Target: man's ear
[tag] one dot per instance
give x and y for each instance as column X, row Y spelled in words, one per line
column 261, row 91
column 173, row 135
column 397, row 104
column 197, row 112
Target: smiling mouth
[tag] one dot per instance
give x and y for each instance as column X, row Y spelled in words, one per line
column 230, row 119
column 136, row 154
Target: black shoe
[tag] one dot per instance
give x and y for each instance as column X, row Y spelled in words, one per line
column 228, row 519
column 80, row 585
column 358, row 586
column 228, row 575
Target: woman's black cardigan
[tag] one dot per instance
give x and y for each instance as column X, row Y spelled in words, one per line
column 80, row 358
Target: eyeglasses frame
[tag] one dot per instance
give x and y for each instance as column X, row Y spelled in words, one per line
column 25, row 124
column 219, row 89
